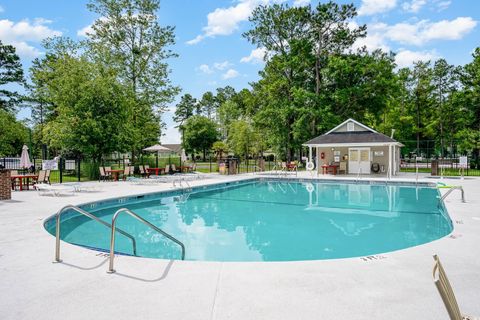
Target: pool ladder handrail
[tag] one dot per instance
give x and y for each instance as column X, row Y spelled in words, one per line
column 145, row 222
column 91, row 216
column 358, row 175
column 451, row 190
column 180, row 180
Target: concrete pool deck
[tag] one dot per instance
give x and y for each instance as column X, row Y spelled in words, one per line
column 394, row 285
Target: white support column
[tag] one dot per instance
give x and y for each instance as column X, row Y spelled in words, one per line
column 390, row 160
column 309, row 153
column 394, row 160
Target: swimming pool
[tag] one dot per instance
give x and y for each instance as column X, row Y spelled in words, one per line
column 268, row 220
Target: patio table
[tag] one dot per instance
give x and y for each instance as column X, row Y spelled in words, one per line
column 115, row 173
column 156, row 170
column 21, row 177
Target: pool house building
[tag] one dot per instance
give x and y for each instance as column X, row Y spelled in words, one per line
column 354, row 148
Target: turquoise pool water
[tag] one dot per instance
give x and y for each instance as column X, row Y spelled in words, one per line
column 269, row 221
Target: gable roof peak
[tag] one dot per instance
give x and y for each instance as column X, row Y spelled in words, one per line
column 354, row 121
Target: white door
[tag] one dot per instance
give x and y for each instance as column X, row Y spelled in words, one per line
column 359, row 160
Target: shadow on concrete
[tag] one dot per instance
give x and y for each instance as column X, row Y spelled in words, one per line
column 162, row 276
column 104, row 261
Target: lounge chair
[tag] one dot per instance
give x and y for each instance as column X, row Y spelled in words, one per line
column 167, row 169
column 55, row 190
column 446, row 292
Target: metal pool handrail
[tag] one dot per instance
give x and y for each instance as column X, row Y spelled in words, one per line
column 91, row 216
column 451, row 190
column 134, row 215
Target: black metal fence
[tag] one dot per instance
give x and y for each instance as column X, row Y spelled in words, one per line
column 73, row 170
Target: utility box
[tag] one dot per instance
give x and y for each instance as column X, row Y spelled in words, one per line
column 232, row 166
column 434, row 167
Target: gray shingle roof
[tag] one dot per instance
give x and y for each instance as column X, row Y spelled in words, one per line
column 174, row 147
column 351, row 137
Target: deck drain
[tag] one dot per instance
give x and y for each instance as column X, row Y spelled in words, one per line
column 374, row 257
column 455, row 236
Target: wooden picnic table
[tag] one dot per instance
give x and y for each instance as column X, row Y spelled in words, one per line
column 329, row 167
column 21, row 177
column 115, row 173
column 156, row 170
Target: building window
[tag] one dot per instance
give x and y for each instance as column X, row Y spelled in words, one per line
column 350, row 126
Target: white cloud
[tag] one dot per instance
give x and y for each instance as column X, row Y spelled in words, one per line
column 172, row 135
column 205, row 69
column 85, row 31
column 442, row 5
column 23, row 33
column 406, row 58
column 370, row 7
column 225, row 21
column 418, row 33
column 425, row 31
column 414, row 6
column 372, row 42
column 196, row 40
column 301, row 3
column 256, row 56
column 230, row 74
column 25, row 50
column 222, row 65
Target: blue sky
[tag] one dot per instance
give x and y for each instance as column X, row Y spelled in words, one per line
column 214, row 54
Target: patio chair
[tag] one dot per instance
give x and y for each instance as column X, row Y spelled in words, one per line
column 103, row 175
column 128, row 171
column 14, row 181
column 342, row 167
column 174, row 169
column 125, row 173
column 167, row 169
column 47, row 177
column 145, row 170
column 193, row 168
column 40, row 178
column 446, row 292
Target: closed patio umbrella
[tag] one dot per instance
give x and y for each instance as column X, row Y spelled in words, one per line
column 25, row 158
column 183, row 156
column 158, row 149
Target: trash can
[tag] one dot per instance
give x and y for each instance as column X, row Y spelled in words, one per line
column 222, row 168
column 434, row 167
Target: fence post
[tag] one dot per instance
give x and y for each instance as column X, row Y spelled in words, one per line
column 60, row 167
column 78, row 169
column 210, row 163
